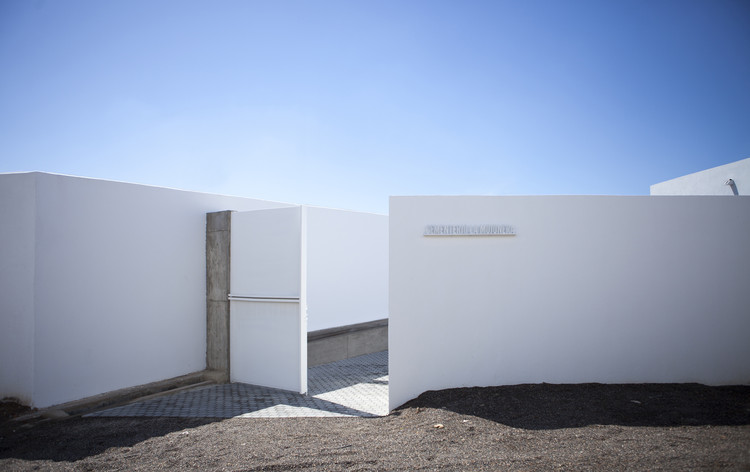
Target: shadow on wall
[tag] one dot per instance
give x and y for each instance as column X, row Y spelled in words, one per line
column 555, row 406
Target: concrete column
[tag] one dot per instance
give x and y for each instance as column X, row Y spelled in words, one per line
column 218, row 251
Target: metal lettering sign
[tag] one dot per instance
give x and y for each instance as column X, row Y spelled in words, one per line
column 469, row 230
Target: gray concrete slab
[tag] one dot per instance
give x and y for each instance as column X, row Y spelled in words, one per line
column 351, row 387
column 343, row 342
column 327, row 350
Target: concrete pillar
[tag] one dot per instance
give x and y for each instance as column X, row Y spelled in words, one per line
column 218, row 251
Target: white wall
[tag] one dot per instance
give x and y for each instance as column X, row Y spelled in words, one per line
column 709, row 182
column 18, row 216
column 591, row 289
column 119, row 296
column 347, row 267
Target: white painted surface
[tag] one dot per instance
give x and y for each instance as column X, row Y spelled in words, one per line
column 709, row 182
column 268, row 341
column 591, row 289
column 18, row 217
column 119, row 284
column 266, row 253
column 266, row 347
column 347, row 267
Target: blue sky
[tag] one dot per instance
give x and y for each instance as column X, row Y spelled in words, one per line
column 343, row 103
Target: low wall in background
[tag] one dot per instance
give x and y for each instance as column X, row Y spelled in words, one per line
column 589, row 289
column 344, row 342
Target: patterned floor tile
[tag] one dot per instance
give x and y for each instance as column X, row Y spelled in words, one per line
column 352, row 387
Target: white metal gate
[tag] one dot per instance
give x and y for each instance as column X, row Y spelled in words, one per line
column 268, row 315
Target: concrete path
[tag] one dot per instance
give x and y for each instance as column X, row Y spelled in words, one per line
column 352, row 387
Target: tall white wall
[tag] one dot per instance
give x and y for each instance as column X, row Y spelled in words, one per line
column 709, row 182
column 119, row 293
column 18, row 217
column 591, row 289
column 347, row 267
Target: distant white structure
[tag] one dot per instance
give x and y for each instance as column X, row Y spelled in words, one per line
column 729, row 179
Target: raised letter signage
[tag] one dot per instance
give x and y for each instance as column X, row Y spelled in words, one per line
column 469, row 230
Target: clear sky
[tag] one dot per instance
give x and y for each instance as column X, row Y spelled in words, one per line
column 343, row 103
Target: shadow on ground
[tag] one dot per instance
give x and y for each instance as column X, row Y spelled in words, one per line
column 77, row 438
column 553, row 406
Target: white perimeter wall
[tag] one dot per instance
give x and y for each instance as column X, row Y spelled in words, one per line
column 17, row 222
column 119, row 284
column 591, row 289
column 347, row 267
column 709, row 182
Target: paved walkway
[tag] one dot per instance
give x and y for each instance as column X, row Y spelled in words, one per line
column 352, row 387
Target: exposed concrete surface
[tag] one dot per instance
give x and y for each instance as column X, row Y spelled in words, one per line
column 335, row 344
column 218, row 252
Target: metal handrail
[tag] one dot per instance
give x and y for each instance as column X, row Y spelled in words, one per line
column 244, row 298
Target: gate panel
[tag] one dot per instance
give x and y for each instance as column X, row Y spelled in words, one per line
column 268, row 323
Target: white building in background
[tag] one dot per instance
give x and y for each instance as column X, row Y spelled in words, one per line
column 729, row 179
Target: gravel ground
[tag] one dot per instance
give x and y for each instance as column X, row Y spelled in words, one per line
column 523, row 427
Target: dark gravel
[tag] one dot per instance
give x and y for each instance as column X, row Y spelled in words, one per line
column 523, row 427
column 10, row 408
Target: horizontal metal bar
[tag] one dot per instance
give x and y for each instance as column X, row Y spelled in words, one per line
column 242, row 298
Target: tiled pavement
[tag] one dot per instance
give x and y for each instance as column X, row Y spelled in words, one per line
column 352, row 387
